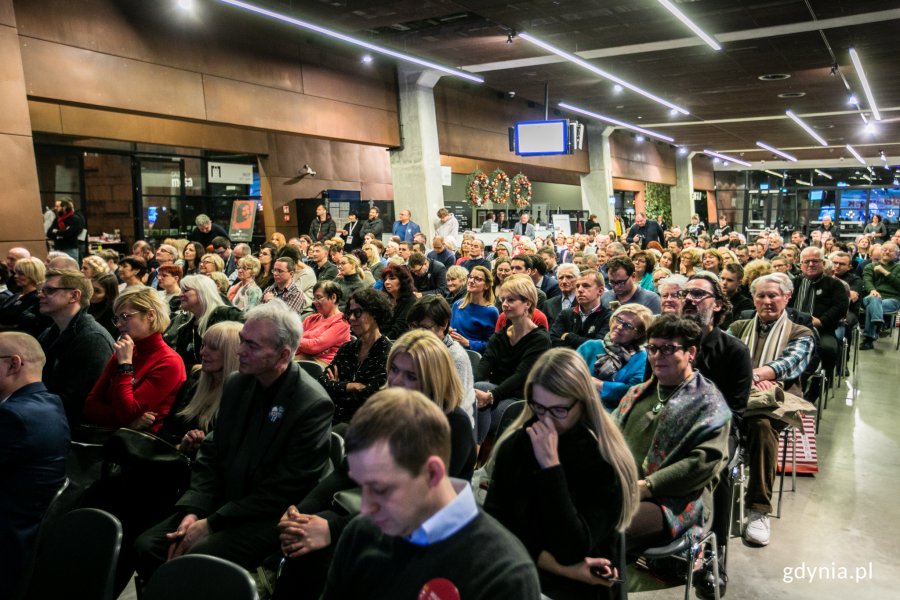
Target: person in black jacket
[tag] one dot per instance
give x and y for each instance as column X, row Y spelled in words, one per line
column 738, row 295
column 76, row 346
column 563, row 479
column 373, row 225
column 66, row 230
column 429, row 275
column 588, row 319
column 270, row 448
column 206, row 231
column 644, row 231
column 20, row 311
column 322, row 227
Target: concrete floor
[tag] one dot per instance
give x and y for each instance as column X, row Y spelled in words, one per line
column 844, row 517
column 829, row 524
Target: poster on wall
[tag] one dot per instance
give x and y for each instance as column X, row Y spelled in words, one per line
column 243, row 219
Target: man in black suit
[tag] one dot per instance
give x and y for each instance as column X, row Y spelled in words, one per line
column 568, row 274
column 352, row 233
column 430, row 276
column 269, row 449
column 34, row 440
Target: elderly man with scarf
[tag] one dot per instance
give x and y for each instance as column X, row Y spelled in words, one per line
column 823, row 297
column 780, row 350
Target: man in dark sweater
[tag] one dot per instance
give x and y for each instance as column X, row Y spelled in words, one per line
column 206, row 230
column 644, row 231
column 323, row 268
column 420, row 534
column 587, row 320
column 430, row 276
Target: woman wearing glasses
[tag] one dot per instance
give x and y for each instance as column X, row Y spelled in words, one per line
column 618, row 362
column 143, row 376
column 326, row 330
column 475, row 316
column 563, row 479
column 676, row 425
column 357, row 370
column 245, row 294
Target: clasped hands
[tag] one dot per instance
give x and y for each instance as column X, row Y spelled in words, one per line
column 301, row 534
column 190, row 532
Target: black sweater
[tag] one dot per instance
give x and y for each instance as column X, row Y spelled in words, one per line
column 483, row 561
column 570, row 510
column 507, row 366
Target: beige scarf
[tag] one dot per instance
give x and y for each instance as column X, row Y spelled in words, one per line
column 775, row 343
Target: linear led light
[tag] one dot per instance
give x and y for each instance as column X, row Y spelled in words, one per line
column 782, row 175
column 728, row 158
column 801, row 182
column 823, row 174
column 856, row 155
column 691, row 25
column 616, row 122
column 598, row 71
column 352, row 40
column 776, row 151
column 857, row 63
column 805, row 127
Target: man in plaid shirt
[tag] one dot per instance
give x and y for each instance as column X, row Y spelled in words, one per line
column 284, row 287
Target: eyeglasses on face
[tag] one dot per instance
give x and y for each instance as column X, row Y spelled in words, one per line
column 665, row 350
column 356, row 313
column 695, row 294
column 124, row 317
column 477, row 279
column 49, row 290
column 557, row 412
column 618, row 282
column 620, row 322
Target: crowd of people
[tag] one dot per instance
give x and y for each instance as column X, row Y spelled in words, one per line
column 596, row 384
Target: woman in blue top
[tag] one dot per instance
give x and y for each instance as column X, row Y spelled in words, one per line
column 644, row 265
column 617, row 362
column 474, row 315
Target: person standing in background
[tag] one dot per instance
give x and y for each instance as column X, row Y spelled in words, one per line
column 322, row 228
column 65, row 230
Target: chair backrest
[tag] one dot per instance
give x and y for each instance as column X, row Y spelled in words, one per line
column 200, row 577
column 314, row 369
column 511, row 413
column 77, row 558
column 337, row 450
column 474, row 358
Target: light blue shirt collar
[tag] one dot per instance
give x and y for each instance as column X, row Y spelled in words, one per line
column 450, row 519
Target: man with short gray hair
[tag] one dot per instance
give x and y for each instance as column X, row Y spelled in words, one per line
column 206, row 230
column 270, row 448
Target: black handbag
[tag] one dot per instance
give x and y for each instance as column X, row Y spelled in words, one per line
column 129, row 453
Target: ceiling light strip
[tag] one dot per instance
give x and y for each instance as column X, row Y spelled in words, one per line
column 351, row 40
column 801, row 182
column 690, row 24
column 726, row 157
column 823, row 174
column 782, row 175
column 616, row 122
column 598, row 71
column 805, row 127
column 776, row 151
column 856, row 155
column 857, row 63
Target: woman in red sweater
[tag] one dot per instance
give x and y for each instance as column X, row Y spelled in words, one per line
column 325, row 330
column 141, row 379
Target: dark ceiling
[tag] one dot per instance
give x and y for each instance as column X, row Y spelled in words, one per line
column 730, row 107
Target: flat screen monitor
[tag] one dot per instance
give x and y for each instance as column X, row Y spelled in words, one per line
column 536, row 138
column 816, row 195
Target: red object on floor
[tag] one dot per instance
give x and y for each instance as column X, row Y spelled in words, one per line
column 807, row 457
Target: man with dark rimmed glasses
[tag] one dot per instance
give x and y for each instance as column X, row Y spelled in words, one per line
column 624, row 289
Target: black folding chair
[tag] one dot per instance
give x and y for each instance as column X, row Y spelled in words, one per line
column 200, row 577
column 77, row 558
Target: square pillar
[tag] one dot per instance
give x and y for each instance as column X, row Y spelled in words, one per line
column 596, row 186
column 682, row 193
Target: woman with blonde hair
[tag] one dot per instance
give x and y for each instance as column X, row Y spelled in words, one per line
column 563, row 478
column 755, row 269
column 373, row 260
column 457, row 277
column 93, row 266
column 690, row 260
column 350, row 278
column 278, row 240
column 201, row 307
column 143, row 376
column 713, row 261
column 474, row 315
column 509, row 355
column 20, row 312
column 618, row 361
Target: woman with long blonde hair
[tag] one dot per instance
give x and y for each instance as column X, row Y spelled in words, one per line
column 474, row 315
column 563, row 479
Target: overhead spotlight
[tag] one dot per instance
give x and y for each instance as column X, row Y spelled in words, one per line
column 510, row 36
column 834, row 70
column 682, row 151
column 673, row 112
column 724, row 163
column 639, row 138
column 869, row 128
column 366, row 59
column 853, row 100
column 186, row 4
column 715, row 161
column 617, row 88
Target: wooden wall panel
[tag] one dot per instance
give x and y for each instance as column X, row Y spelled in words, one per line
column 14, row 118
column 20, row 211
column 7, row 13
column 644, row 161
column 543, row 174
column 85, row 77
column 704, row 176
column 353, row 88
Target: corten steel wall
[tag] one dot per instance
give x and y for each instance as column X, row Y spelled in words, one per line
column 20, row 207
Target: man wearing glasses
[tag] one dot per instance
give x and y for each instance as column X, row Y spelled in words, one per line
column 77, row 348
column 823, row 297
column 429, row 276
column 34, row 441
column 284, row 287
column 624, row 290
column 587, row 320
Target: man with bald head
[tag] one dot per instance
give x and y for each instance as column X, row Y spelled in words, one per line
column 12, row 256
column 34, row 437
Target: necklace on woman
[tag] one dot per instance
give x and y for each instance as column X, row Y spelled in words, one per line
column 662, row 401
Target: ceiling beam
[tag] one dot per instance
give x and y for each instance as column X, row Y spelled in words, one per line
column 734, row 36
column 778, row 117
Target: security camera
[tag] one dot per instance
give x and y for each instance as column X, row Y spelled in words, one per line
column 510, row 94
column 307, row 170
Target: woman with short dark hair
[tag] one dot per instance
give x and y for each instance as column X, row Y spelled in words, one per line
column 326, row 330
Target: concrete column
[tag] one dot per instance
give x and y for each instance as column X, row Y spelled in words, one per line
column 682, row 200
column 596, row 186
column 21, row 222
column 416, row 165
